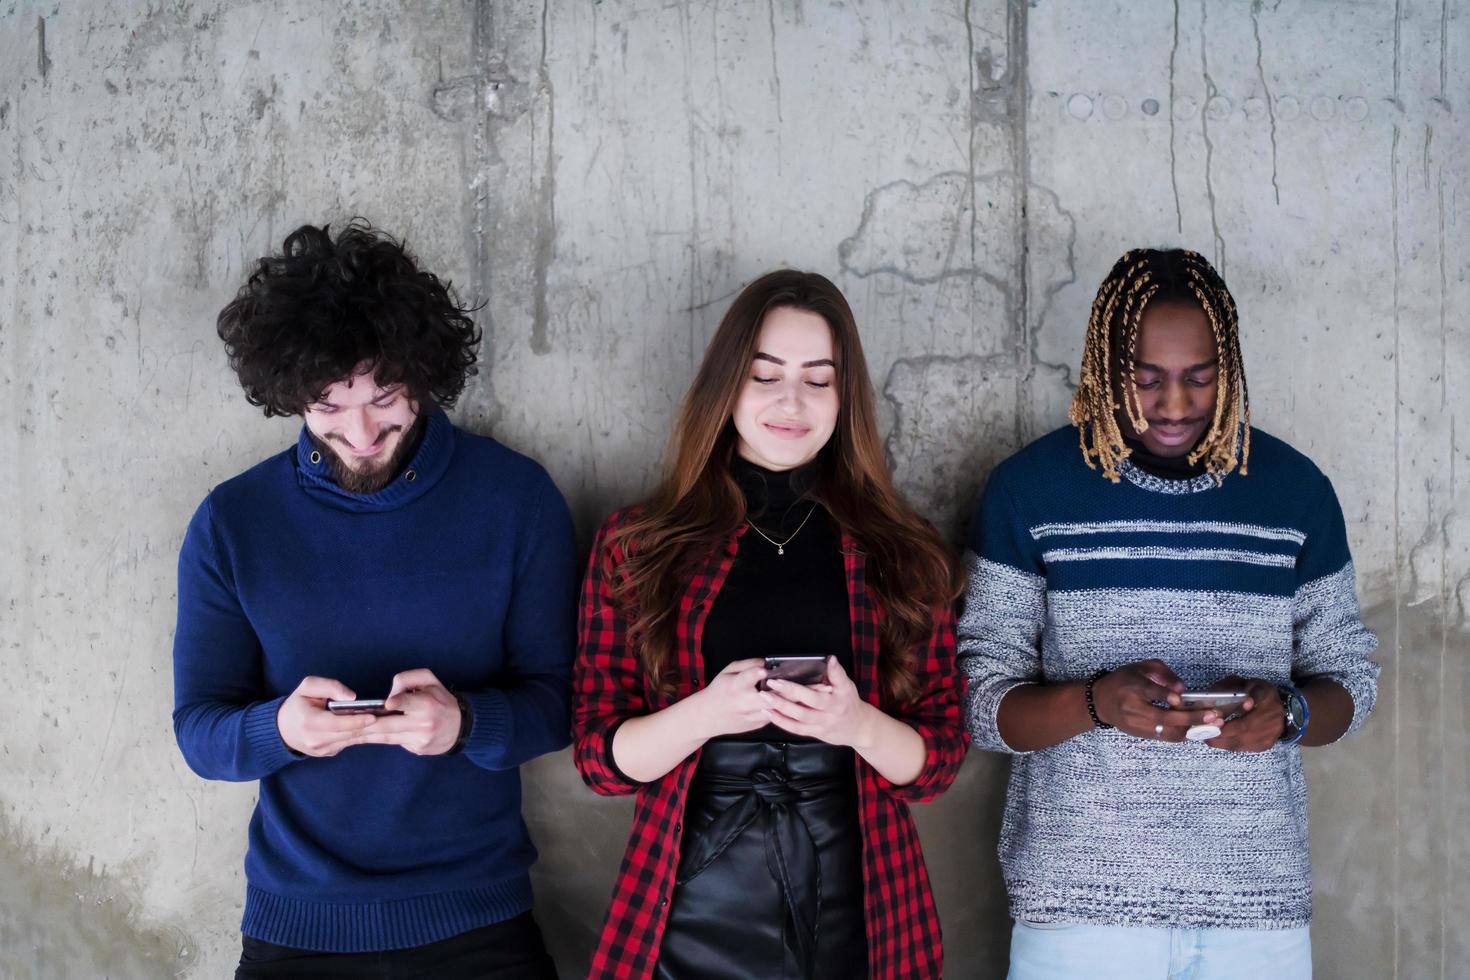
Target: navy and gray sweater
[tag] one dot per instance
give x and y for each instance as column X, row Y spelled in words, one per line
column 1071, row 574
column 466, row 565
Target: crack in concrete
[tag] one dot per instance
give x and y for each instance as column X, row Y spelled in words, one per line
column 1398, row 21
column 1017, row 72
column 1055, row 288
column 43, row 62
column 1444, row 48
column 1398, row 557
column 1428, row 142
column 776, row 79
column 696, row 271
column 1204, row 118
column 970, row 146
column 483, row 154
column 866, row 225
column 1270, row 103
column 546, row 225
column 1444, row 285
column 1427, row 540
column 920, row 364
column 1173, row 158
column 951, row 424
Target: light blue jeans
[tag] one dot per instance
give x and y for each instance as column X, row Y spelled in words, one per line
column 1071, row 950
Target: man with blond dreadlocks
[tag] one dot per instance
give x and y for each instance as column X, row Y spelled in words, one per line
column 1155, row 827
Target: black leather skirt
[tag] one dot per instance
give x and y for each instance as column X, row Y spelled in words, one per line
column 770, row 880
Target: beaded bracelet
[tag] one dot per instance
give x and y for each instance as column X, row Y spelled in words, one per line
column 1091, row 707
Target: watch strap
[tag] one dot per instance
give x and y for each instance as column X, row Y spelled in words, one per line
column 466, row 723
column 1297, row 713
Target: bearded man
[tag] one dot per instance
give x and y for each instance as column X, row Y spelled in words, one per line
column 389, row 555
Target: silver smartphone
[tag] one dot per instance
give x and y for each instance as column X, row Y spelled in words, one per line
column 1221, row 698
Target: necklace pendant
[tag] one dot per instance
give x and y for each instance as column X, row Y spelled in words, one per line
column 780, row 549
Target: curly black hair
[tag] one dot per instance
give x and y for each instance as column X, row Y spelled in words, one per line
column 310, row 315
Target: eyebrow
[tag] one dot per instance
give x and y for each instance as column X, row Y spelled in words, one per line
column 820, row 362
column 1189, row 370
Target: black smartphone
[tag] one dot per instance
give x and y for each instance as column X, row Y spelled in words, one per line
column 362, row 706
column 797, row 670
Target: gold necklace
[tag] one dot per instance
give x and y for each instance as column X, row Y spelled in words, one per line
column 781, row 545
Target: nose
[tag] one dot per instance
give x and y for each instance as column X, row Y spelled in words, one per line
column 791, row 397
column 1175, row 401
column 359, row 430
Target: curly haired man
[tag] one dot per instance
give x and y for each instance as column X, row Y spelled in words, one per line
column 387, row 555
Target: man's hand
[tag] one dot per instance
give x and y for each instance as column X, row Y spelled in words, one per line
column 308, row 728
column 1125, row 699
column 1262, row 721
column 429, row 724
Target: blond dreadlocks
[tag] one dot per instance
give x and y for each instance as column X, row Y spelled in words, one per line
column 1142, row 276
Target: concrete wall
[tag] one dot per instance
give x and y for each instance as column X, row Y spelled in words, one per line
column 606, row 175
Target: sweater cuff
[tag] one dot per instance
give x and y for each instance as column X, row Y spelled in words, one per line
column 263, row 737
column 490, row 730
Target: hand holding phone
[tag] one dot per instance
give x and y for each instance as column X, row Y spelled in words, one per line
column 308, row 728
column 828, row 709
column 1225, row 700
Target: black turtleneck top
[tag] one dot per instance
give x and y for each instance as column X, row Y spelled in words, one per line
column 775, row 605
column 1167, row 467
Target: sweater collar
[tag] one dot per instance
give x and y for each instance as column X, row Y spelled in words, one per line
column 1167, row 467
column 424, row 469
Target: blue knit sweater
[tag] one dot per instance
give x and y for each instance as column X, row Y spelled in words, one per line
column 466, row 565
column 1071, row 574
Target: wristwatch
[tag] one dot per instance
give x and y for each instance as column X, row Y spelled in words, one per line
column 1296, row 713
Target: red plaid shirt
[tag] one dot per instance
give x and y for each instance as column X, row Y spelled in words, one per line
column 902, row 923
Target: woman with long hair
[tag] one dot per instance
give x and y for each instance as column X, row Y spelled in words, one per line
column 771, row 836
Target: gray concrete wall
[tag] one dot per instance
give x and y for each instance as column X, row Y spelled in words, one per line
column 606, row 175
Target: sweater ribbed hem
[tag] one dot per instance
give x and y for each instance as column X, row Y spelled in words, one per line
column 1272, row 906
column 264, row 738
column 373, row 926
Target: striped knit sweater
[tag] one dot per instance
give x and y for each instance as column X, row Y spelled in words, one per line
column 1070, row 574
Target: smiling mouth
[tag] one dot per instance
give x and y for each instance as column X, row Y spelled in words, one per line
column 787, row 431
column 1173, row 430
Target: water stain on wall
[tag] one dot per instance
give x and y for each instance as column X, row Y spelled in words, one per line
column 60, row 920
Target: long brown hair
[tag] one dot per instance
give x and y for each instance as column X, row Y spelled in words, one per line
column 698, row 504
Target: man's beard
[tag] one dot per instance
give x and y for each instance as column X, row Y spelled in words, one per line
column 373, row 477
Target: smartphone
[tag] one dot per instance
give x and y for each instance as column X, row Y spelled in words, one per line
column 798, row 670
column 1223, row 699
column 362, row 706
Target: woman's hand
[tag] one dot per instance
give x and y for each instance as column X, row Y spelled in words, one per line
column 1125, row 699
column 1262, row 719
column 730, row 704
column 832, row 712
